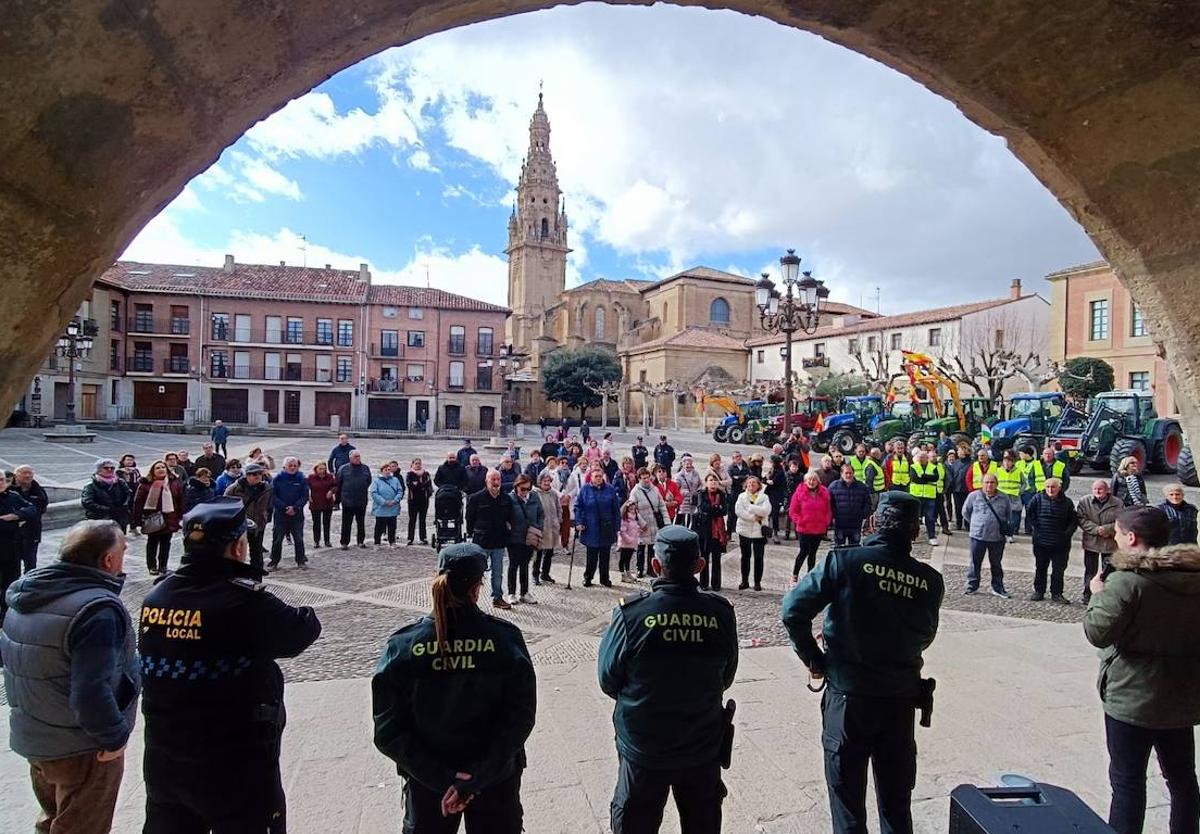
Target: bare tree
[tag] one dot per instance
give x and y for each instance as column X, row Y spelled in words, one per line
column 993, row 347
column 610, row 391
column 880, row 366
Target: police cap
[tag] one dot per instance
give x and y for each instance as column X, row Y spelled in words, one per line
column 465, row 562
column 675, row 543
column 215, row 523
column 898, row 509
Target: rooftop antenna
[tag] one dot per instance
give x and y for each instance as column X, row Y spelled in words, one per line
column 878, row 311
column 427, row 284
column 304, row 249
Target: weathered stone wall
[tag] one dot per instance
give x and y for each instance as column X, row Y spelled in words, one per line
column 108, row 107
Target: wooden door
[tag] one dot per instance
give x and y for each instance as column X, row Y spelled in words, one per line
column 89, row 403
column 291, row 407
column 159, row 400
column 231, row 405
column 330, row 403
column 271, row 404
column 387, row 413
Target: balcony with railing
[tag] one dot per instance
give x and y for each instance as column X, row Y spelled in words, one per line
column 275, row 373
column 139, row 363
column 148, row 325
column 386, row 385
column 296, row 337
column 176, row 365
column 483, row 382
column 382, row 351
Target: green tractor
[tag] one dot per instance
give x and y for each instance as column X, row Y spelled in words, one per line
column 1121, row 424
column 977, row 411
column 906, row 419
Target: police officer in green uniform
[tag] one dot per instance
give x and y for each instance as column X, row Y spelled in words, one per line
column 666, row 659
column 882, row 615
column 454, row 699
column 212, row 694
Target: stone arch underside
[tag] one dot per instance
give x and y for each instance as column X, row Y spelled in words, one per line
column 109, row 108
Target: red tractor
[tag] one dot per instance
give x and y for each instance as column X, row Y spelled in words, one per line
column 808, row 410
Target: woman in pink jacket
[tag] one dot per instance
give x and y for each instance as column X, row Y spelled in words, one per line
column 812, row 513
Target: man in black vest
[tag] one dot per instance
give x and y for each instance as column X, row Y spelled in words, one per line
column 666, row 659
column 212, row 692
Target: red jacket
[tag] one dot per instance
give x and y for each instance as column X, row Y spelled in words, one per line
column 810, row 511
column 175, row 485
column 319, row 487
column 670, row 488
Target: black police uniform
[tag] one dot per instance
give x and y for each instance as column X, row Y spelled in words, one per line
column 883, row 613
column 212, row 693
column 469, row 710
column 666, row 658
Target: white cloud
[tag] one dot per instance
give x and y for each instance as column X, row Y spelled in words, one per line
column 421, row 160
column 701, row 134
column 473, row 273
column 265, row 179
column 312, row 126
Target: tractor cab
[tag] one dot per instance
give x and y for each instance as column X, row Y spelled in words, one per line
column 1032, row 417
column 1134, row 408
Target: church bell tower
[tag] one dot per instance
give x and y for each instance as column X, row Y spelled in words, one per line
column 537, row 240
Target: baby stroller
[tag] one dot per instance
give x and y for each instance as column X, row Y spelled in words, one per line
column 447, row 516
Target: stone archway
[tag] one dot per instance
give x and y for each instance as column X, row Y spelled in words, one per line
column 1100, row 102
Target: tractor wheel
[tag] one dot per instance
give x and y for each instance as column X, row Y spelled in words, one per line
column 1127, row 447
column 915, row 439
column 721, row 434
column 737, row 434
column 1185, row 468
column 844, row 441
column 1024, row 440
column 1166, row 451
column 1075, row 466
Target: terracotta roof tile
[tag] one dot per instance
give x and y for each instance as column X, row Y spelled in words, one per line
column 893, row 322
column 693, row 337
column 609, row 284
column 400, row 295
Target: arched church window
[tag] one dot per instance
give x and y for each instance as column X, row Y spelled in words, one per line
column 599, row 322
column 545, row 227
column 718, row 311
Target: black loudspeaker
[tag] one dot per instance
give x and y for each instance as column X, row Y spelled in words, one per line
column 1037, row 809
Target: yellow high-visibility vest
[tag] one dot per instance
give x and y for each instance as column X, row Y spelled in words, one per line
column 1039, row 475
column 1010, row 481
column 868, row 471
column 977, row 473
column 900, row 471
column 924, row 480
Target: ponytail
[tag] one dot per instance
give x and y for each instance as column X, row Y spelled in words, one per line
column 446, row 597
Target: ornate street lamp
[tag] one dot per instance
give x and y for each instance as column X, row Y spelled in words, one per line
column 798, row 307
column 73, row 345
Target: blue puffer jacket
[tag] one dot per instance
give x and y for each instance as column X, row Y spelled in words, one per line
column 851, row 503
column 289, row 489
column 383, row 490
column 599, row 511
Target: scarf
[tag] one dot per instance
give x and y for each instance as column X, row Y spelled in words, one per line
column 160, row 491
column 1134, row 487
column 109, row 481
column 718, row 523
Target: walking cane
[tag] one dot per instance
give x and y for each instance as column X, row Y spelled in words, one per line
column 571, row 569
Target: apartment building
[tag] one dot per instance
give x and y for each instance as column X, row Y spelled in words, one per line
column 284, row 345
column 1094, row 315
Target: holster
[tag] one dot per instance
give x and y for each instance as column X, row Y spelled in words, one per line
column 925, row 700
column 727, row 734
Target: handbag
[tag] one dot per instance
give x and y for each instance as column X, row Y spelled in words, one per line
column 658, row 516
column 154, row 523
column 533, row 535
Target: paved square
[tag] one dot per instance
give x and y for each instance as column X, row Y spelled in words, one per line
column 1015, row 689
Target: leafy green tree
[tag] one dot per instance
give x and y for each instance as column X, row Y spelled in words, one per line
column 568, row 374
column 1086, row 376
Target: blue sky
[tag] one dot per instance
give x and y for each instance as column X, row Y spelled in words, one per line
column 682, row 137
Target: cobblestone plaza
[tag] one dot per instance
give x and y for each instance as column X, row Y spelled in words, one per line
column 1015, row 689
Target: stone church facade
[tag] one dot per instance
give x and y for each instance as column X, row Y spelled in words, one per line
column 689, row 328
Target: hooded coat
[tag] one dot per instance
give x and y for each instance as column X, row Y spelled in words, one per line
column 1146, row 621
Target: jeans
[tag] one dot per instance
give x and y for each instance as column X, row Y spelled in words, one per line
column 849, row 537
column 417, row 510
column 29, row 551
column 1129, row 753
column 1053, row 559
column 518, row 566
column 712, row 566
column 496, row 560
column 755, row 548
column 158, row 550
column 995, row 552
column 385, row 524
column 10, row 572
column 357, row 516
column 77, row 794
column 1014, row 521
column 1026, row 497
column 1093, row 562
column 283, row 525
column 221, row 449
column 929, row 513
column 810, row 543
column 943, row 519
column 254, row 539
column 321, row 520
column 597, row 558
column 625, row 559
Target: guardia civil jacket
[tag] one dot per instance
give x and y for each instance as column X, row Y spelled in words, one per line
column 882, row 615
column 468, row 706
column 666, row 659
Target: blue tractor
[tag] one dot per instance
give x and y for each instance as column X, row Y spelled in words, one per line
column 1032, row 418
column 856, row 421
